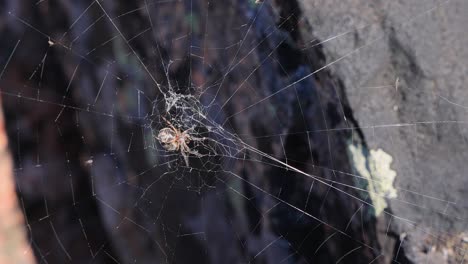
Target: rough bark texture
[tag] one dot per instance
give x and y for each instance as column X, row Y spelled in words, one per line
column 423, row 45
column 94, row 192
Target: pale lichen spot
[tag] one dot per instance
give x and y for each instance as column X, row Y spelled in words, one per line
column 375, row 166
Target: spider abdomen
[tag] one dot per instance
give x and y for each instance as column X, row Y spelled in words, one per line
column 168, row 139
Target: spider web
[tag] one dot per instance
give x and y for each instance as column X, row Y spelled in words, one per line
column 260, row 191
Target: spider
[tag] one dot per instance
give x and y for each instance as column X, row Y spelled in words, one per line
column 172, row 139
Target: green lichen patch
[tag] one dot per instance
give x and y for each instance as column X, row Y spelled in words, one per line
column 375, row 166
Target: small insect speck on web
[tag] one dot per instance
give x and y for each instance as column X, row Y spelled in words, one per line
column 51, row 43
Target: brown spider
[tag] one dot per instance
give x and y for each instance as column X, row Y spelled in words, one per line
column 172, row 139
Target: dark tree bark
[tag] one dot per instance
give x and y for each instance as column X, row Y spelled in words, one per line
column 131, row 209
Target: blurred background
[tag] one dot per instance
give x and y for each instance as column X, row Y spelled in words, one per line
column 336, row 131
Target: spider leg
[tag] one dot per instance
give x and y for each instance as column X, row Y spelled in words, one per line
column 197, row 139
column 192, row 138
column 186, row 159
column 184, row 154
column 169, row 123
column 195, row 153
column 190, row 129
column 184, row 150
